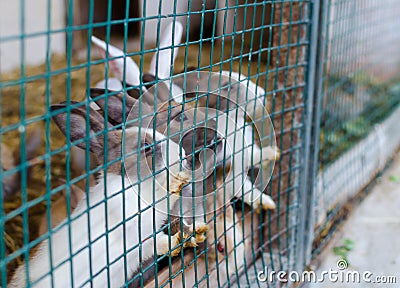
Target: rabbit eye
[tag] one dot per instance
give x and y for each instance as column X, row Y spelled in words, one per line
column 220, row 248
column 148, row 148
column 180, row 116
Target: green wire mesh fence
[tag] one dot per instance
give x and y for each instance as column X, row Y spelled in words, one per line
column 267, row 41
column 358, row 106
column 129, row 110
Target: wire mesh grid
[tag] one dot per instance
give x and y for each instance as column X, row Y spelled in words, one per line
column 265, row 40
column 360, row 90
column 46, row 174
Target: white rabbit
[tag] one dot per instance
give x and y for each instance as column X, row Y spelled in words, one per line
column 161, row 64
column 108, row 227
column 239, row 154
column 240, row 94
column 230, row 103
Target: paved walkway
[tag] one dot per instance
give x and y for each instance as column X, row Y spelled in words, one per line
column 374, row 227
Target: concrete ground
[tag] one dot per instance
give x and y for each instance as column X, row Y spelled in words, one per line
column 374, row 227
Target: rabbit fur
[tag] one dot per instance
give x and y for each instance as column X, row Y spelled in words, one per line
column 110, row 249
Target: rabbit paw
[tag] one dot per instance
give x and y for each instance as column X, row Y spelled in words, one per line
column 200, row 237
column 257, row 199
column 163, row 245
column 265, row 203
column 177, row 183
column 271, row 153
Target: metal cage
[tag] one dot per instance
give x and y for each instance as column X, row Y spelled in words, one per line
column 324, row 74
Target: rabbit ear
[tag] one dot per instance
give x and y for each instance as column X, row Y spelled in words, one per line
column 77, row 127
column 163, row 60
column 159, row 90
column 118, row 66
column 115, row 109
column 133, row 92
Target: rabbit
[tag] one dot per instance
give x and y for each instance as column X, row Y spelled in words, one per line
column 248, row 96
column 97, row 238
column 11, row 159
column 58, row 212
column 239, row 154
column 227, row 127
column 225, row 250
column 128, row 72
column 175, row 112
column 242, row 95
column 231, row 100
column 172, row 119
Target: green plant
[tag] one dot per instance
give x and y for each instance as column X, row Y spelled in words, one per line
column 394, row 178
column 344, row 249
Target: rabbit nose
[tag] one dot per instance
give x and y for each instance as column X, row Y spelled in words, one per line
column 220, row 248
column 178, row 182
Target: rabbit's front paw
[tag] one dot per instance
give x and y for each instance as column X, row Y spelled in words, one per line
column 177, row 183
column 163, row 244
column 200, row 234
column 176, row 242
column 258, row 199
column 265, row 203
column 271, row 153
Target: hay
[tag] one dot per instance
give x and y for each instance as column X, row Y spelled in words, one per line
column 35, row 106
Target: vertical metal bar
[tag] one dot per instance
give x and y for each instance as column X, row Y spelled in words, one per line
column 316, row 123
column 47, row 131
column 69, row 36
column 22, row 131
column 303, row 239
